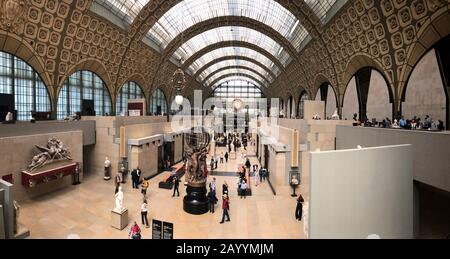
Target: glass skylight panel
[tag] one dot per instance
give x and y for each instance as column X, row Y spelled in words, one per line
column 233, row 51
column 235, row 79
column 126, row 10
column 321, row 7
column 236, row 71
column 229, row 33
column 190, row 12
column 234, row 63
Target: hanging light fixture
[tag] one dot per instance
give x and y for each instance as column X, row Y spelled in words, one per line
column 179, row 81
column 179, row 78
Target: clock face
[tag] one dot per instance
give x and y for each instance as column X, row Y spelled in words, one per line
column 237, row 104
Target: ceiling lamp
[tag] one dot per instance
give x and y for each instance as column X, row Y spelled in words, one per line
column 179, row 82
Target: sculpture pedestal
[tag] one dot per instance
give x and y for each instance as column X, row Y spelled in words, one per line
column 196, row 202
column 119, row 220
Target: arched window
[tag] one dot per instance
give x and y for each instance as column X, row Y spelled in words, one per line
column 83, row 85
column 129, row 91
column 20, row 79
column 301, row 105
column 158, row 103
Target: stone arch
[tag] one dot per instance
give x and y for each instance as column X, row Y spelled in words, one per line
column 300, row 103
column 20, row 48
column 165, row 95
column 319, row 80
column 138, row 79
column 425, row 91
column 377, row 77
column 359, row 61
column 434, row 29
column 92, row 65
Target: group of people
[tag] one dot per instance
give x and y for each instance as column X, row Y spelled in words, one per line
column 401, row 123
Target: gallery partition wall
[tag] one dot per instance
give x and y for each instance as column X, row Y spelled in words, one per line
column 20, row 79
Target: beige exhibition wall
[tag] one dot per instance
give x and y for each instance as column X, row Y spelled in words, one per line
column 431, row 149
column 25, row 146
column 357, row 193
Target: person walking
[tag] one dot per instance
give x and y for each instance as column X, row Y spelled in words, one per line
column 248, row 165
column 176, row 184
column 212, row 200
column 212, row 164
column 144, row 212
column 135, row 232
column 134, row 179
column 243, row 187
column 299, row 209
column 257, row 177
column 225, row 188
column 221, row 158
column 213, row 185
column 226, row 157
column 145, row 185
column 225, row 208
column 263, row 174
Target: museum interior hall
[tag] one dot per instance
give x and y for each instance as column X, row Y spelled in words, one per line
column 225, row 119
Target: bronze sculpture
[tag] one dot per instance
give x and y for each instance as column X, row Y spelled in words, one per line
column 196, row 150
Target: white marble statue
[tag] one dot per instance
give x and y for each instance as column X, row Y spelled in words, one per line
column 107, row 162
column 335, row 115
column 119, row 201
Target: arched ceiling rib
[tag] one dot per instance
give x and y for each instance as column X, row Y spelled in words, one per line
column 232, row 78
column 275, row 71
column 232, row 34
column 232, row 51
column 248, row 25
column 232, row 58
column 236, row 70
column 235, row 64
column 228, row 77
column 188, row 13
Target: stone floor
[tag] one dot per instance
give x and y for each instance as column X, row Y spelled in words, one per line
column 84, row 211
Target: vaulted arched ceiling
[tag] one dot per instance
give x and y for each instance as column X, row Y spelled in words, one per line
column 236, row 59
column 239, row 76
column 220, row 68
column 184, row 28
column 236, row 70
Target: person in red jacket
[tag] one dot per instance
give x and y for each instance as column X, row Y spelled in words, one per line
column 226, row 208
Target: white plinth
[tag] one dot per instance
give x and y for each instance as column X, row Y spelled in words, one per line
column 119, row 220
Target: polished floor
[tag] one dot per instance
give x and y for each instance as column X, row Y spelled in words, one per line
column 83, row 211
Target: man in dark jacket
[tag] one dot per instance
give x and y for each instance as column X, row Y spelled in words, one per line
column 176, row 184
column 212, row 201
column 226, row 157
column 135, row 177
column 299, row 209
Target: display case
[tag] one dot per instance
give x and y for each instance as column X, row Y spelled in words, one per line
column 45, row 175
